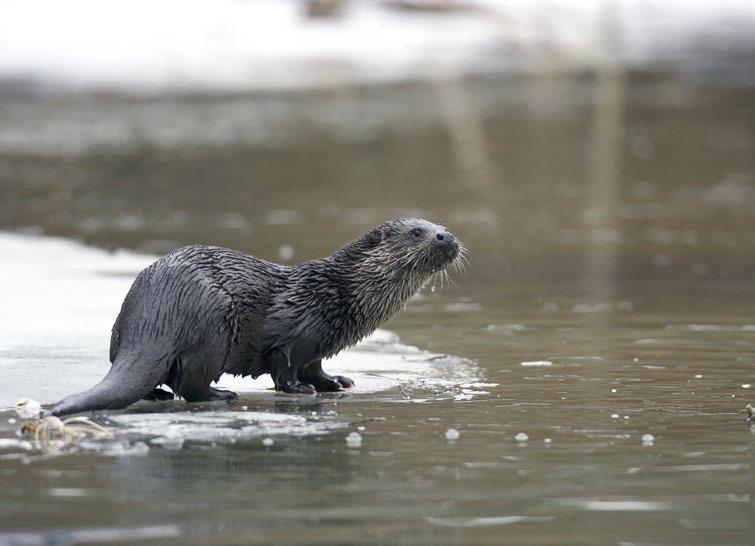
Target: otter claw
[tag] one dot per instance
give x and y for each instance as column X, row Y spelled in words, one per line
column 345, row 382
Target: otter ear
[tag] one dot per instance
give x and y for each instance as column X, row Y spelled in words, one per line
column 373, row 238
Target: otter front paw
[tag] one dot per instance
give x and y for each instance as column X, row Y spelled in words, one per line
column 324, row 382
column 327, row 384
column 296, row 387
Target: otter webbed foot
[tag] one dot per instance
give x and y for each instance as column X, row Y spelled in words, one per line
column 332, row 383
column 159, row 394
column 327, row 385
column 296, row 387
column 222, row 395
column 324, row 382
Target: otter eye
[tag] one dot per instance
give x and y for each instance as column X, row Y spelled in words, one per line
column 416, row 232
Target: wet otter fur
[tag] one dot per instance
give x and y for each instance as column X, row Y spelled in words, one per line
column 203, row 311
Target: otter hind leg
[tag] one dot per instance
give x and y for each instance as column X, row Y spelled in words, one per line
column 222, row 394
column 198, row 389
column 192, row 373
column 322, row 381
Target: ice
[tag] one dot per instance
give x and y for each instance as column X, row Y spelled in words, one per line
column 486, row 521
column 521, row 437
column 14, row 443
column 601, row 505
column 218, row 426
column 354, row 439
column 26, row 408
column 452, row 434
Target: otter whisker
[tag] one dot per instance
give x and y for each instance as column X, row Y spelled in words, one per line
column 463, row 261
column 434, row 282
column 458, row 265
column 464, row 252
column 449, row 279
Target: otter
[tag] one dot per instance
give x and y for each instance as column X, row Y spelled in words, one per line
column 203, row 311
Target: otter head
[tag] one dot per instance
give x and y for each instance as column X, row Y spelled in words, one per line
column 408, row 251
column 424, row 247
column 379, row 272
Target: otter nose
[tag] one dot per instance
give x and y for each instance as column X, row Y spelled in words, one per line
column 445, row 238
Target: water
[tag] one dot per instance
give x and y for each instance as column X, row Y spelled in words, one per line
column 610, row 297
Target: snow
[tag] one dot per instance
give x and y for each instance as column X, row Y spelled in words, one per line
column 230, row 45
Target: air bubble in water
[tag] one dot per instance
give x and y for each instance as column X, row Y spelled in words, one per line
column 521, row 437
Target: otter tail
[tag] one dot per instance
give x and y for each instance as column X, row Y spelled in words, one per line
column 131, row 378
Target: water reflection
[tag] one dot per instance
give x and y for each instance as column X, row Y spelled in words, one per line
column 550, row 213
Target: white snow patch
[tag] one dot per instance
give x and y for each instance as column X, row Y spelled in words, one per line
column 144, row 45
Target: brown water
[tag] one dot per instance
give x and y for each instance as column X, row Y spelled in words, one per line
column 610, row 220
